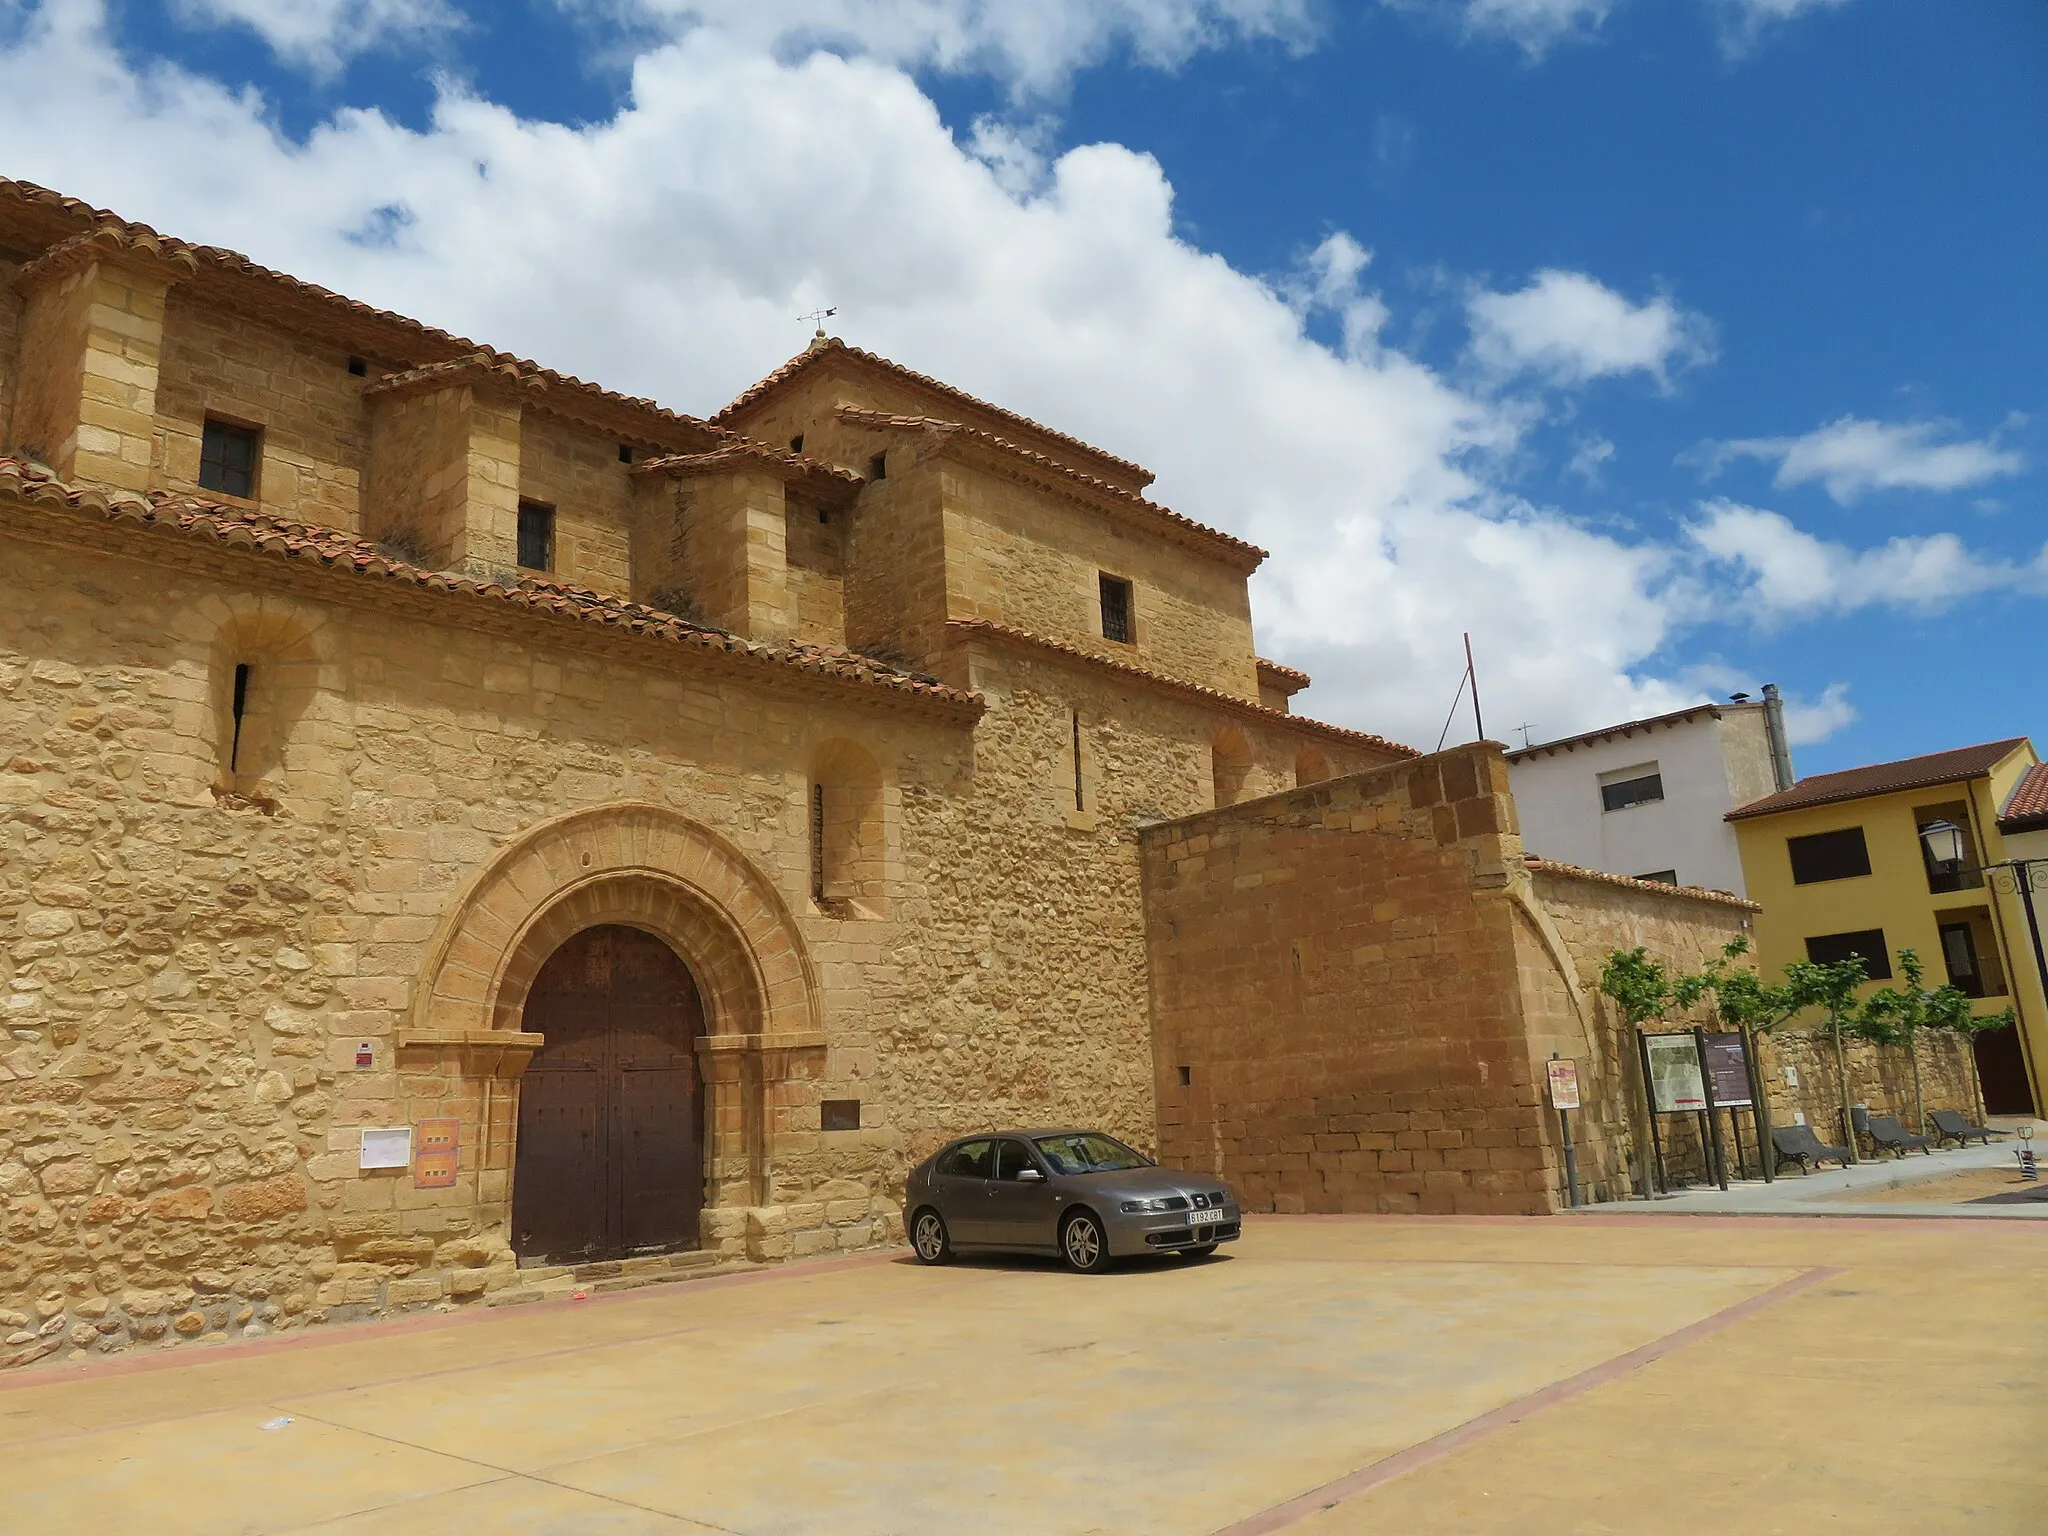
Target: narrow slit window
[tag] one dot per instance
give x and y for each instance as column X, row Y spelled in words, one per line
column 241, row 709
column 625, row 453
column 1080, row 790
column 1116, row 609
column 227, row 459
column 878, row 467
column 818, row 843
column 796, row 444
column 357, row 368
column 536, row 536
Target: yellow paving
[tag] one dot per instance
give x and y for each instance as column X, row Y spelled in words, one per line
column 1654, row 1375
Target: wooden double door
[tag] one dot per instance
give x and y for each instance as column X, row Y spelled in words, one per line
column 609, row 1158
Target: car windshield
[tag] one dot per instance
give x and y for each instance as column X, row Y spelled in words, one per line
column 1086, row 1152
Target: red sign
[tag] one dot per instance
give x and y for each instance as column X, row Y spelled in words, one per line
column 436, row 1154
column 365, row 1056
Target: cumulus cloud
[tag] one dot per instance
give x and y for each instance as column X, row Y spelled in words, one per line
column 1035, row 46
column 1852, row 456
column 1570, row 328
column 1810, row 721
column 1787, row 573
column 322, row 35
column 1534, row 26
column 669, row 250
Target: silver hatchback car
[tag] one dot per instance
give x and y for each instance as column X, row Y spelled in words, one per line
column 1080, row 1194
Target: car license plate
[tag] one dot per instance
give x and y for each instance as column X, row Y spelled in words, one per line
column 1203, row 1218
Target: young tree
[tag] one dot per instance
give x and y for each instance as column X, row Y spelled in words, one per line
column 1640, row 986
column 1833, row 989
column 1746, row 1003
column 1949, row 1012
column 1896, row 1015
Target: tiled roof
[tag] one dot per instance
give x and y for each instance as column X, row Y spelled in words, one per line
column 1285, row 677
column 1600, row 876
column 1238, row 548
column 827, row 481
column 971, row 629
column 1884, row 778
column 211, row 523
column 832, row 346
column 1627, row 728
column 2026, row 808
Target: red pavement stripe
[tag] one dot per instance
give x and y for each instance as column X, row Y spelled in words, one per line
column 1283, row 1516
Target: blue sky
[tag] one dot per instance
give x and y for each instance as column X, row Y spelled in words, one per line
column 1671, row 346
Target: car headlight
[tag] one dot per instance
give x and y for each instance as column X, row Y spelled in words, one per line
column 1133, row 1207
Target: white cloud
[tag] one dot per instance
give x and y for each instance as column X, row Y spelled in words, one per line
column 1035, row 45
column 1590, row 455
column 669, row 250
column 1852, row 456
column 1743, row 22
column 1787, row 573
column 1810, row 721
column 1570, row 328
column 1535, row 26
column 322, row 35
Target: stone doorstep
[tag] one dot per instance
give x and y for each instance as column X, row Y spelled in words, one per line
column 607, row 1269
column 562, row 1283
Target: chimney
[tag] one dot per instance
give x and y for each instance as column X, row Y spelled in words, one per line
column 1774, row 728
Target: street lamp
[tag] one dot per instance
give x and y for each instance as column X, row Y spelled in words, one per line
column 1944, row 843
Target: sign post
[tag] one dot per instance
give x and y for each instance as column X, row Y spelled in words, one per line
column 1727, row 1064
column 1564, row 1098
column 1712, row 1119
column 1671, row 1065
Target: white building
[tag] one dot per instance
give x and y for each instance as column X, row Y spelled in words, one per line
column 1649, row 798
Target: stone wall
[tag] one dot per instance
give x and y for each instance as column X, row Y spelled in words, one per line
column 10, row 348
column 578, row 473
column 298, row 391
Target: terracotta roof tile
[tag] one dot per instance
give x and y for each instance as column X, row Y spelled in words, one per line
column 1629, row 728
column 1286, row 677
column 1154, row 512
column 832, row 346
column 1884, row 778
column 2026, row 808
column 1600, row 876
column 211, row 523
column 1025, row 640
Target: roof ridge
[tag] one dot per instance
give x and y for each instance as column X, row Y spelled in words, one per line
column 1181, row 685
column 1893, row 777
column 335, row 549
column 867, row 417
column 1694, row 892
column 832, row 344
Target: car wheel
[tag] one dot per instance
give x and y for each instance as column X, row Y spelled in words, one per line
column 1200, row 1250
column 1083, row 1243
column 929, row 1239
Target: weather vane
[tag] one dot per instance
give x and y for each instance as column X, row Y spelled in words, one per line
column 818, row 317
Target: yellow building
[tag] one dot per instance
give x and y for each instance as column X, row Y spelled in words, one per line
column 1843, row 864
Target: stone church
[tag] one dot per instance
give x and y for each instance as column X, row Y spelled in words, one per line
column 454, row 816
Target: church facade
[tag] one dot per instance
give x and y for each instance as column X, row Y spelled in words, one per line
column 453, row 816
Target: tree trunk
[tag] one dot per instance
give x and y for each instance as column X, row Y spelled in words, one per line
column 1842, row 1082
column 1919, row 1109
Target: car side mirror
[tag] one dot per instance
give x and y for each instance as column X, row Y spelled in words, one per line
column 1030, row 1176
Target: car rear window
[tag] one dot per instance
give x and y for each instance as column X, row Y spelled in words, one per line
column 1089, row 1152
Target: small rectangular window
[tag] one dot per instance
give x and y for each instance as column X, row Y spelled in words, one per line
column 357, row 367
column 1828, row 856
column 839, row 1115
column 227, row 458
column 536, row 536
column 878, row 467
column 796, row 444
column 1865, row 943
column 625, row 453
column 1187, row 1077
column 1642, row 789
column 1116, row 609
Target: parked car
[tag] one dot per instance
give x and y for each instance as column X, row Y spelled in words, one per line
column 1080, row 1194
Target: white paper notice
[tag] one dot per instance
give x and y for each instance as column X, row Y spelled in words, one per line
column 386, row 1147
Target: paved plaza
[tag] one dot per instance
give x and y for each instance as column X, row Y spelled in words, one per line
column 1653, row 1373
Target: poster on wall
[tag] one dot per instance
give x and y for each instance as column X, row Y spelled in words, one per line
column 1564, row 1083
column 1728, row 1069
column 1674, row 1070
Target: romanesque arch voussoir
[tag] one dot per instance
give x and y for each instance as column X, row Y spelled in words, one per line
column 632, row 863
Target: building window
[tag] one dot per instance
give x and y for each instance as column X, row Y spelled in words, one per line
column 1116, row 609
column 878, row 467
column 1632, row 786
column 1187, row 1077
column 1080, row 790
column 1944, row 878
column 239, row 708
column 1829, row 856
column 1866, row 945
column 357, row 368
column 228, row 456
column 818, row 843
column 625, row 453
column 796, row 444
column 839, row 1115
column 536, row 536
column 1661, row 877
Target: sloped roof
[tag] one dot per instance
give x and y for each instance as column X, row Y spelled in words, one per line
column 1291, row 680
column 827, row 347
column 1627, row 728
column 2026, row 808
column 1949, row 767
column 1023, row 639
column 259, row 533
column 1630, row 882
column 1242, row 552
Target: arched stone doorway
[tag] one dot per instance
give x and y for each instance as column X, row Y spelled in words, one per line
column 609, row 1157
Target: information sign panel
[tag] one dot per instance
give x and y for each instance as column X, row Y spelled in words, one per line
column 1728, row 1068
column 1564, row 1084
column 1675, row 1083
